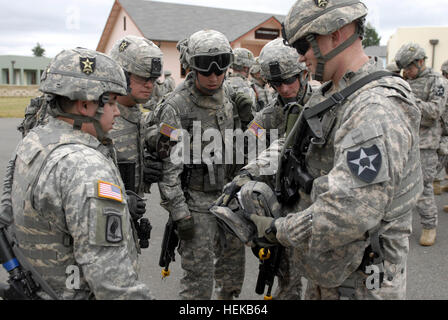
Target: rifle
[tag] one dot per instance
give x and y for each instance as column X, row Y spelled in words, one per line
column 143, row 226
column 293, row 164
column 268, row 268
column 24, row 282
column 169, row 244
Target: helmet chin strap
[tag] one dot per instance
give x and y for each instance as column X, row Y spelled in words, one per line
column 79, row 120
column 321, row 59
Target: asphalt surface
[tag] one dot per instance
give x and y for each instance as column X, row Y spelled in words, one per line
column 427, row 274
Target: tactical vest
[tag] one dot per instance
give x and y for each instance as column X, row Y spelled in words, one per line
column 128, row 144
column 320, row 161
column 200, row 177
column 34, row 228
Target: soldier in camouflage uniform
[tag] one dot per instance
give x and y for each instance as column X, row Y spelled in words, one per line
column 240, row 88
column 169, row 82
column 430, row 93
column 188, row 188
column 364, row 162
column 67, row 194
column 280, row 66
column 142, row 62
column 263, row 94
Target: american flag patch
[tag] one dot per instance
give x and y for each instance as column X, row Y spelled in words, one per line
column 169, row 131
column 256, row 129
column 109, row 191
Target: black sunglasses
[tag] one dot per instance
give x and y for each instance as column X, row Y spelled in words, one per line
column 302, row 46
column 278, row 83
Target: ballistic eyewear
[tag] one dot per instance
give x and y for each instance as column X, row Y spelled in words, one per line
column 220, row 62
column 144, row 80
column 302, row 46
column 283, row 81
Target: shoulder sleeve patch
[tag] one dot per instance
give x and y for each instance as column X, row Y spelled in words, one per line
column 365, row 163
column 256, row 129
column 440, row 91
column 169, row 131
column 109, row 191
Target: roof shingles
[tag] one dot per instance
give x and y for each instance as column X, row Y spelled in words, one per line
column 172, row 22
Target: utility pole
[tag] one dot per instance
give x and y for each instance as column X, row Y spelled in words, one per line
column 433, row 42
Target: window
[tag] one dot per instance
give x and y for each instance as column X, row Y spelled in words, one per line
column 267, row 34
column 124, row 23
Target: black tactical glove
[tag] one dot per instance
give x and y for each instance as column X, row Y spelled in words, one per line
column 232, row 188
column 136, row 204
column 152, row 170
column 185, row 228
column 244, row 105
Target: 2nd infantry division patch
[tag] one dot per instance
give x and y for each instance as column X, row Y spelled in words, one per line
column 365, row 163
column 87, row 65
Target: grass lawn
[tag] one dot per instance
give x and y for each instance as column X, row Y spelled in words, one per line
column 13, row 107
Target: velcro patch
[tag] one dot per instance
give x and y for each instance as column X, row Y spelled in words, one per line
column 440, row 91
column 109, row 191
column 365, row 163
column 114, row 231
column 169, row 131
column 256, row 129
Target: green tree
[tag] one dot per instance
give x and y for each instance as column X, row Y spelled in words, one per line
column 38, row 51
column 371, row 37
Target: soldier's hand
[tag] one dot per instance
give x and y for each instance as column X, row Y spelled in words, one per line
column 136, row 204
column 185, row 228
column 265, row 227
column 152, row 171
column 232, row 188
column 243, row 100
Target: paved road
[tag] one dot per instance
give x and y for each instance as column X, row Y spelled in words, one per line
column 427, row 267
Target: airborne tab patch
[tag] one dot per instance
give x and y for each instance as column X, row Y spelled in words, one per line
column 365, row 163
column 87, row 65
column 109, row 191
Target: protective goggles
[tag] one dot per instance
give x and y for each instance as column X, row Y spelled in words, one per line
column 220, row 62
column 144, row 80
column 278, row 83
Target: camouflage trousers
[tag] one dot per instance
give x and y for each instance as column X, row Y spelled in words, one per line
column 211, row 256
column 289, row 277
column 426, row 205
column 392, row 288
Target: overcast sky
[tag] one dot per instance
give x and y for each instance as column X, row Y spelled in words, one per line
column 63, row 24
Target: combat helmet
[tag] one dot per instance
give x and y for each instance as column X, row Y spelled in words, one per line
column 138, row 56
column 308, row 18
column 256, row 67
column 82, row 74
column 408, row 54
column 244, row 58
column 209, row 51
column 444, row 68
column 279, row 62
